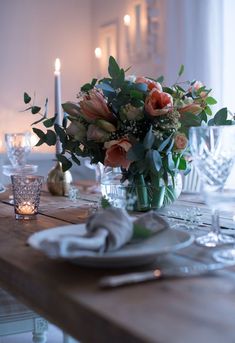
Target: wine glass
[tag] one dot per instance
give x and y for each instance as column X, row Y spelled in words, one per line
column 213, row 152
column 18, row 147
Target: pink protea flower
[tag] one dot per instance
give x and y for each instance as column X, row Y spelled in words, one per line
column 93, row 106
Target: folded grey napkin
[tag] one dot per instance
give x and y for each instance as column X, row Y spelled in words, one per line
column 107, row 230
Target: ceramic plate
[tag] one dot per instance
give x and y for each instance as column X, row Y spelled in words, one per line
column 135, row 253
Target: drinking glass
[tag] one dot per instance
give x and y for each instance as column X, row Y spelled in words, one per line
column 18, row 147
column 213, row 152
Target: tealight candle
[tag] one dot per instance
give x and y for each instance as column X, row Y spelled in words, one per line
column 26, row 208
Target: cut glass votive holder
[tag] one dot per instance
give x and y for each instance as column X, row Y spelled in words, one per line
column 26, row 195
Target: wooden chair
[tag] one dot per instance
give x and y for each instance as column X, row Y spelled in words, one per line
column 191, row 182
column 15, row 318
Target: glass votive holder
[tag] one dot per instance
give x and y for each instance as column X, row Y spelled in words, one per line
column 26, row 194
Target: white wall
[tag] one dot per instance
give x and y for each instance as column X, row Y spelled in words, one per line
column 32, row 34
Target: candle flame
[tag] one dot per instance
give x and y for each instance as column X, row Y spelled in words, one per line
column 57, row 65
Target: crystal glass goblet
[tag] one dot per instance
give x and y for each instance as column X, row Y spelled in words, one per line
column 213, row 152
column 18, row 146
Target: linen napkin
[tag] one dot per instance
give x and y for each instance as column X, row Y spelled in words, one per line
column 106, row 230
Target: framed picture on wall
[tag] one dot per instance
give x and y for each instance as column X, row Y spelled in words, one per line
column 143, row 33
column 136, row 32
column 108, row 38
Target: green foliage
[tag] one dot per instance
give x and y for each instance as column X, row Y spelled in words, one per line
column 27, row 98
column 50, row 138
column 220, row 118
column 35, row 109
column 66, row 163
column 164, row 144
column 113, row 68
column 149, row 139
column 210, row 101
column 140, row 232
column 181, row 70
column 105, row 203
column 88, row 86
column 136, row 152
column 49, row 122
column 160, row 79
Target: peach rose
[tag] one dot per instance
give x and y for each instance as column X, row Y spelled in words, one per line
column 150, row 83
column 196, row 86
column 158, row 103
column 181, row 141
column 93, row 106
column 116, row 153
column 191, row 108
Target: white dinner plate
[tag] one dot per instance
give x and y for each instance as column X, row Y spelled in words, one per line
column 135, row 253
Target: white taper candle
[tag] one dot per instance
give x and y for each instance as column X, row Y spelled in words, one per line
column 58, row 109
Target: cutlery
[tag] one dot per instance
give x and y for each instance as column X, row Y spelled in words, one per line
column 156, row 274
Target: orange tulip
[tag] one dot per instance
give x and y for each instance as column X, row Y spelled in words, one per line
column 158, row 103
column 116, row 153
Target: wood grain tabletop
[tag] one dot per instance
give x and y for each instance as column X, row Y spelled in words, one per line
column 198, row 309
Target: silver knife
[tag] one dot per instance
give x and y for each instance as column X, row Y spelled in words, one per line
column 156, row 274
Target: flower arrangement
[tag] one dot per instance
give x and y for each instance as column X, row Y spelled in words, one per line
column 136, row 123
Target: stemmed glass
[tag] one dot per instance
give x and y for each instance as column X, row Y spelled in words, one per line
column 213, row 152
column 18, row 148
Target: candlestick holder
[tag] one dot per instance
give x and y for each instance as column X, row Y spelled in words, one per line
column 58, row 181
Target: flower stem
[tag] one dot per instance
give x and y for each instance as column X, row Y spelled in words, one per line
column 141, row 193
column 158, row 192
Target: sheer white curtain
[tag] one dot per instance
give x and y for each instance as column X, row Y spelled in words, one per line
column 228, row 52
column 195, row 34
column 201, row 35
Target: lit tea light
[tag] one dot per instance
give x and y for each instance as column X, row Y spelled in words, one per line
column 26, row 208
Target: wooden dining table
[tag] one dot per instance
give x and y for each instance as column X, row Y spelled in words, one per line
column 190, row 309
